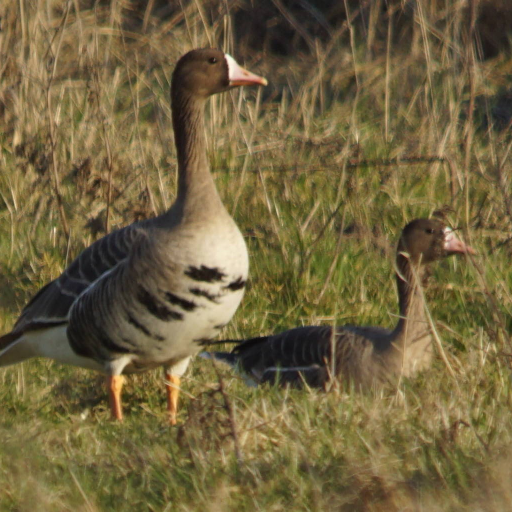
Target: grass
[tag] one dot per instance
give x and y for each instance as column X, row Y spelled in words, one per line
column 321, row 170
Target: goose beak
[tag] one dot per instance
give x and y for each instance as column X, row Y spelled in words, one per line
column 452, row 245
column 239, row 76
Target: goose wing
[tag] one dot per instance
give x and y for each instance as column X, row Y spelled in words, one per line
column 312, row 355
column 51, row 305
column 287, row 357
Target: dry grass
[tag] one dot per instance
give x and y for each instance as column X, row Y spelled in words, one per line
column 320, row 170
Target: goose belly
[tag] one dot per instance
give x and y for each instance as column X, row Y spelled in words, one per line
column 161, row 313
column 184, row 335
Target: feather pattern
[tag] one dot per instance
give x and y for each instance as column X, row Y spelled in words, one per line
column 53, row 302
column 313, row 355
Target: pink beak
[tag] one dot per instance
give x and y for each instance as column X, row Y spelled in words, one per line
column 240, row 76
column 453, row 245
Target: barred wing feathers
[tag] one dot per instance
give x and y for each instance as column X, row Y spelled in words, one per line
column 51, row 305
column 312, row 355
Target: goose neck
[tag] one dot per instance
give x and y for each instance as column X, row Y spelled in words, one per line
column 195, row 183
column 413, row 324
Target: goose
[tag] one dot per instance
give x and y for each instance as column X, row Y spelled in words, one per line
column 363, row 356
column 154, row 292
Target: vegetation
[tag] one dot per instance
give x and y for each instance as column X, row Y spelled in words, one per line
column 395, row 115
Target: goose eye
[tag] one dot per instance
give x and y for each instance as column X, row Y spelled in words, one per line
column 430, row 231
column 212, row 60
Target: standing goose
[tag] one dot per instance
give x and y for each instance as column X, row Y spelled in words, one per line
column 152, row 293
column 365, row 356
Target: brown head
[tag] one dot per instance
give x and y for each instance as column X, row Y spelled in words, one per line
column 427, row 240
column 208, row 71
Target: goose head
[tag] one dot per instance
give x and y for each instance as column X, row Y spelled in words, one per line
column 428, row 240
column 209, row 71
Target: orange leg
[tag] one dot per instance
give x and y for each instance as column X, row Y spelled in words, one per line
column 172, row 386
column 114, row 386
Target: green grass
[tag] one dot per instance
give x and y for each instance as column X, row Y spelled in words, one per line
column 317, row 170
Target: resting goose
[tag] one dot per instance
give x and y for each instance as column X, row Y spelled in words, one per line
column 152, row 293
column 365, row 356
